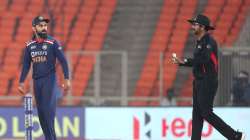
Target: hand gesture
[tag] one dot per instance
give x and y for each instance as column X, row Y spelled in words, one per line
column 176, row 60
column 66, row 85
column 21, row 88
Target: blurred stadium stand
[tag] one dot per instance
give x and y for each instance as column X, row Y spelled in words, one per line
column 118, row 48
column 170, row 36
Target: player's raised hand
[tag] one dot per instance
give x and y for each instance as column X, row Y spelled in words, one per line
column 66, row 85
column 21, row 88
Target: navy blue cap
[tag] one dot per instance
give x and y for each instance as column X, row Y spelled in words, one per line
column 39, row 19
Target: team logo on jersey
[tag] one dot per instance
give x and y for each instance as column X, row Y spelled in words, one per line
column 208, row 46
column 44, row 47
column 32, row 47
column 60, row 48
column 199, row 46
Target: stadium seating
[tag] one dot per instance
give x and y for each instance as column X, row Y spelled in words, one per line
column 93, row 44
column 160, row 39
column 170, row 36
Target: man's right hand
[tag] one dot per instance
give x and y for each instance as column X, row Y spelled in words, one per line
column 176, row 60
column 21, row 88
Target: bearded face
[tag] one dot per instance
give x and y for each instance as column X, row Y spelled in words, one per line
column 197, row 28
column 41, row 30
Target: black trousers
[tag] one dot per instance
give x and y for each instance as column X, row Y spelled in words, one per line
column 204, row 91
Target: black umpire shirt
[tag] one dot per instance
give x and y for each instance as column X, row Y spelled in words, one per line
column 205, row 59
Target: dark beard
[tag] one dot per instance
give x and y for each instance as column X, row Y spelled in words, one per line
column 195, row 32
column 42, row 35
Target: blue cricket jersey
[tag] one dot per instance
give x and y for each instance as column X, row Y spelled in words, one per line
column 42, row 55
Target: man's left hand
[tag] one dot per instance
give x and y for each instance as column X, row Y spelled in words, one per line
column 66, row 85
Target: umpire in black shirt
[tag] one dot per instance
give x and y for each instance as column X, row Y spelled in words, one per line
column 205, row 71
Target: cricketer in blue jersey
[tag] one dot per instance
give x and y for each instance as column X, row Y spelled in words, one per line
column 42, row 52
